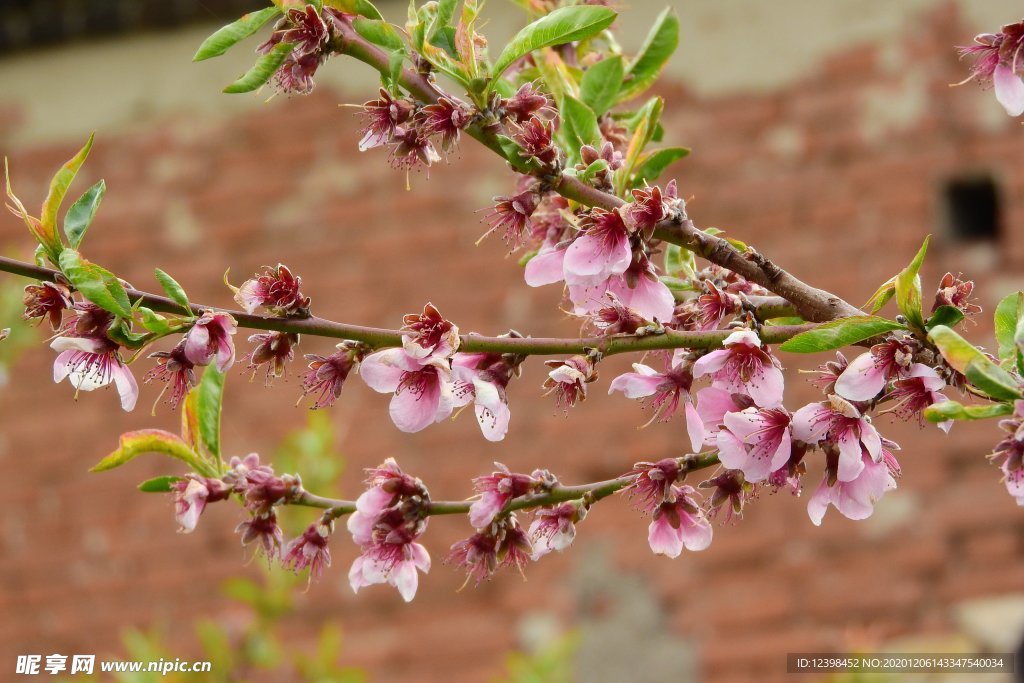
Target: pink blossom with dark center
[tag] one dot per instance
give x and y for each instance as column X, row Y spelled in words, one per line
column 383, row 116
column 422, row 387
column 392, row 563
column 729, row 490
column 447, row 117
column 511, row 216
column 176, row 371
column 429, row 334
column 209, row 340
column 654, row 483
column 617, row 318
column 91, row 363
column 678, row 524
column 191, row 495
column 601, row 250
column 310, row 33
column 262, row 489
column 828, row 373
column 495, row 491
column 47, row 300
column 481, row 379
column 997, row 61
column 637, row 288
column 554, row 527
column 412, row 149
column 310, row 550
column 867, row 375
column 238, row 468
column 744, row 367
column 840, row 422
column 503, row 544
column 305, row 28
column 276, row 289
column 956, row 292
column 568, row 380
column 263, row 531
column 855, row 499
column 755, row 441
column 527, row 101
column 535, row 139
column 274, row 350
column 646, row 210
column 920, row 389
column 714, row 305
column 327, row 374
column 90, row 321
column 664, row 390
column 1009, row 453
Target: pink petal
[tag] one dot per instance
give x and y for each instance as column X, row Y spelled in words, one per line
column 712, row 362
column 64, row 344
column 811, row 422
column 494, row 422
column 382, row 371
column 420, row 557
column 766, row 387
column 861, row 380
column 1009, row 90
column 591, row 256
column 127, row 387
column 197, row 343
column 545, row 268
column 694, row 426
column 731, row 451
column 643, row 382
column 412, row 412
column 405, row 578
column 651, row 298
column 663, row 539
column 62, row 365
column 819, row 502
column 696, row 533
column 851, row 460
column 482, row 512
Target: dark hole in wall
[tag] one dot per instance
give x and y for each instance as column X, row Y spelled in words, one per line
column 972, row 209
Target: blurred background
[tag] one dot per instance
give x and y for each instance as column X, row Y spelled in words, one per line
column 826, row 134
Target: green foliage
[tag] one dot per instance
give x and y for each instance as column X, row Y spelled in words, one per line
column 564, row 25
column 908, row 289
column 579, row 126
column 643, row 126
column 950, row 316
column 838, row 333
column 975, row 365
column 363, row 8
column 1009, row 326
column 262, row 70
column 552, row 663
column 952, row 410
column 134, row 444
column 680, row 262
column 95, row 283
column 226, row 36
column 81, row 214
column 58, row 190
column 174, row 290
column 660, row 44
column 600, row 85
column 650, row 166
column 209, row 399
column 159, row 484
column 380, row 33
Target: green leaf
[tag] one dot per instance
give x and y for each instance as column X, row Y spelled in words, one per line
column 951, row 410
column 134, row 444
column 226, row 36
column 1007, row 318
column 881, row 296
column 59, row 185
column 950, row 316
column 208, row 408
column 601, row 83
column 975, row 365
column 262, row 70
column 908, row 289
column 679, row 262
column 650, row 166
column 646, row 121
column 159, row 484
column 579, row 125
column 79, row 217
column 661, row 42
column 379, row 32
column 838, row 333
column 592, row 170
column 96, row 284
column 154, row 322
column 174, row 290
column 361, row 7
column 564, row 25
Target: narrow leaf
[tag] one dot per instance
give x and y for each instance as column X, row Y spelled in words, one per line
column 951, row 410
column 679, row 262
column 379, row 33
column 96, row 284
column 660, row 44
column 1006, row 320
column 173, row 290
column 59, row 188
column 134, row 444
column 650, row 166
column 226, row 36
column 564, row 25
column 600, row 85
column 950, row 316
column 363, row 8
column 79, row 217
column 159, row 484
column 262, row 70
column 211, row 395
column 975, row 365
column 838, row 333
column 908, row 289
column 580, row 125
column 881, row 296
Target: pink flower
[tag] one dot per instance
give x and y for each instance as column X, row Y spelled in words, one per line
column 503, row 544
column 956, row 292
column 714, row 305
column 998, row 59
column 175, row 370
column 1010, row 451
column 495, row 491
column 712, row 406
column 263, row 531
column 616, row 318
column 554, row 528
column 327, row 375
column 665, row 389
column 47, row 300
column 829, row 373
column 744, row 367
column 920, row 389
column 654, row 482
column 90, row 363
column 568, row 380
column 525, row 103
column 511, row 216
column 730, row 487
column 547, row 267
column 865, row 377
column 535, row 139
column 755, row 441
column 273, row 349
column 646, row 210
column 191, row 495
column 392, row 563
column 382, row 117
column 679, row 524
column 411, row 149
column 640, row 289
column 210, row 339
column 310, row 550
column 481, row 378
column 422, row 387
column 429, row 334
column 839, row 422
column 855, row 498
column 276, row 289
column 447, row 117
column 262, row 489
column 601, row 250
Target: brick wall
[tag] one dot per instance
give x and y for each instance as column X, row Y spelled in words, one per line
column 837, row 175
